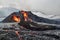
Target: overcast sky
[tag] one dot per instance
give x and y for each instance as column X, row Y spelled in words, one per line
column 46, row 6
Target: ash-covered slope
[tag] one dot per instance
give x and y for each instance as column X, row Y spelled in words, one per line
column 41, row 19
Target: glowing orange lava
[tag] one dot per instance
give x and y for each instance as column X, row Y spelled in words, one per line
column 16, row 19
column 25, row 15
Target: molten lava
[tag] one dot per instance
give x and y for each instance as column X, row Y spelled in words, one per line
column 25, row 15
column 16, row 19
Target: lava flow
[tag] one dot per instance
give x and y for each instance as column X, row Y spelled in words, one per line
column 25, row 15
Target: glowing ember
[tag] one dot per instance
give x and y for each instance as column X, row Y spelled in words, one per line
column 16, row 19
column 17, row 33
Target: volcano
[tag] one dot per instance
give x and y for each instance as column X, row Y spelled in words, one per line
column 39, row 23
column 32, row 16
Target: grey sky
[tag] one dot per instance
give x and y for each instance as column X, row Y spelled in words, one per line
column 46, row 6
